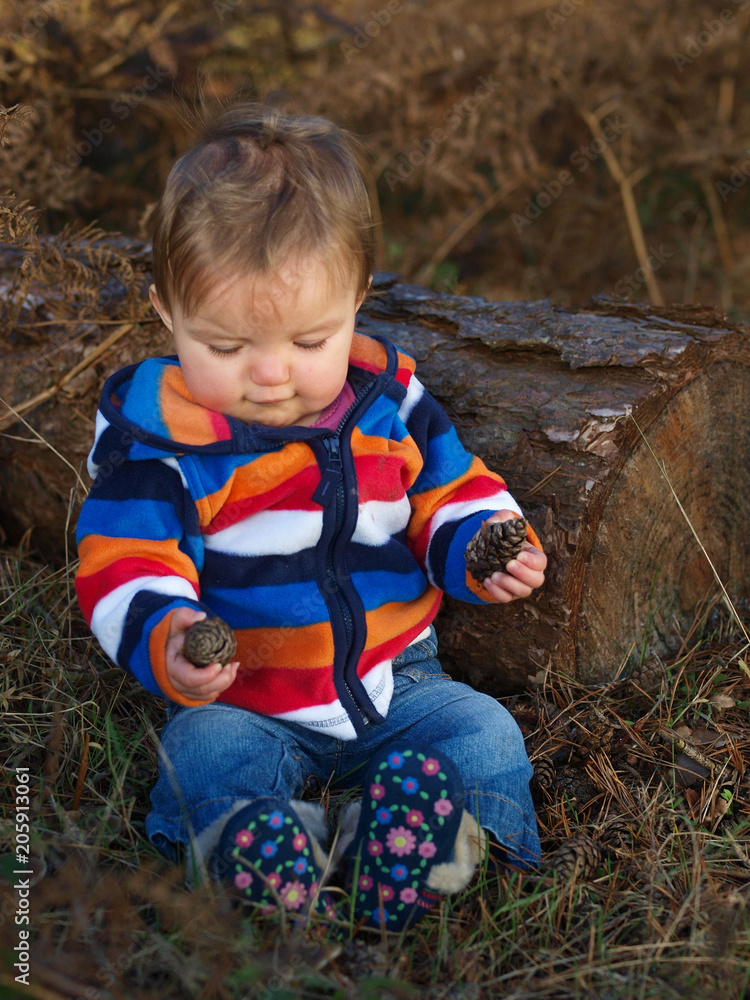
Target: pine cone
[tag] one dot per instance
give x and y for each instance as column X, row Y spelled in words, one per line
column 616, row 832
column 544, row 773
column 594, row 734
column 209, row 641
column 648, row 676
column 493, row 547
column 578, row 857
column 572, row 781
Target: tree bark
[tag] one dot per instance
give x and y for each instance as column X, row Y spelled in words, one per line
column 592, row 417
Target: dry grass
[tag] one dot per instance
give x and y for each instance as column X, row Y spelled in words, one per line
column 643, row 788
column 643, row 797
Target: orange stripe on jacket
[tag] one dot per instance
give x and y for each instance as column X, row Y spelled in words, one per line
column 368, row 353
column 261, row 476
column 100, row 552
column 390, row 620
column 185, row 419
column 301, row 647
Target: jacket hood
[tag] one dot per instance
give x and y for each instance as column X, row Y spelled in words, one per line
column 147, row 412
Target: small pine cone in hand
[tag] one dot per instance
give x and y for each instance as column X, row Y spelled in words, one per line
column 209, row 641
column 493, row 547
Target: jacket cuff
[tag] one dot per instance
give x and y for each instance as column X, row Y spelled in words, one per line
column 157, row 648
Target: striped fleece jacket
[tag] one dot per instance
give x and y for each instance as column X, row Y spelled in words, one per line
column 327, row 552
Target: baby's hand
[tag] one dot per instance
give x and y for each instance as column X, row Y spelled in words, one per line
column 197, row 683
column 522, row 575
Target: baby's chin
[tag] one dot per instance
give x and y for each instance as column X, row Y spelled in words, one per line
column 277, row 416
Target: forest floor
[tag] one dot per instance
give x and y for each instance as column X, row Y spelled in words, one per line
column 643, row 800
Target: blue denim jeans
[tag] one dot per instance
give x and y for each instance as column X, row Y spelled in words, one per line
column 214, row 755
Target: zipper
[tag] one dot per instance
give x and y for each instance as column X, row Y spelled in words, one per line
column 331, row 479
column 331, row 495
column 333, row 447
column 330, row 492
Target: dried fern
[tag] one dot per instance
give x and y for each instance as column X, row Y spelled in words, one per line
column 18, row 220
column 73, row 277
column 19, row 114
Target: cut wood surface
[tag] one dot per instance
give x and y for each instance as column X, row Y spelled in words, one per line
column 565, row 404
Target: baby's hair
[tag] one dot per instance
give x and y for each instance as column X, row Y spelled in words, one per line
column 259, row 188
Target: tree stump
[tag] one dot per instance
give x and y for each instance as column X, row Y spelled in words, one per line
column 590, row 416
column 567, row 405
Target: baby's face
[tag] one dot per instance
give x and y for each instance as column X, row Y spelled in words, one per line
column 266, row 349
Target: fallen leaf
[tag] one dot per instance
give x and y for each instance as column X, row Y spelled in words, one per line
column 720, row 805
column 708, row 737
column 693, row 801
column 689, row 772
column 722, row 701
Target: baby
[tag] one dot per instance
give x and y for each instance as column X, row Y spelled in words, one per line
column 294, row 478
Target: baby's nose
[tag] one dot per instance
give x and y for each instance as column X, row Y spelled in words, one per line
column 270, row 369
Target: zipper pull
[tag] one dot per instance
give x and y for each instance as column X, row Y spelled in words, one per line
column 326, row 491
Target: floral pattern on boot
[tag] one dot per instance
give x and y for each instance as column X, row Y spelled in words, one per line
column 412, row 803
column 265, row 853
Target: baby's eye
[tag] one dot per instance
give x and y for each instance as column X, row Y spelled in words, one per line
column 222, row 351
column 313, row 347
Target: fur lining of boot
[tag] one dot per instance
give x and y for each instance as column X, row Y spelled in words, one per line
column 313, row 817
column 468, row 851
column 345, row 833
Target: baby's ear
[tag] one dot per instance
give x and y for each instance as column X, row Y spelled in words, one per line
column 363, row 296
column 157, row 304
